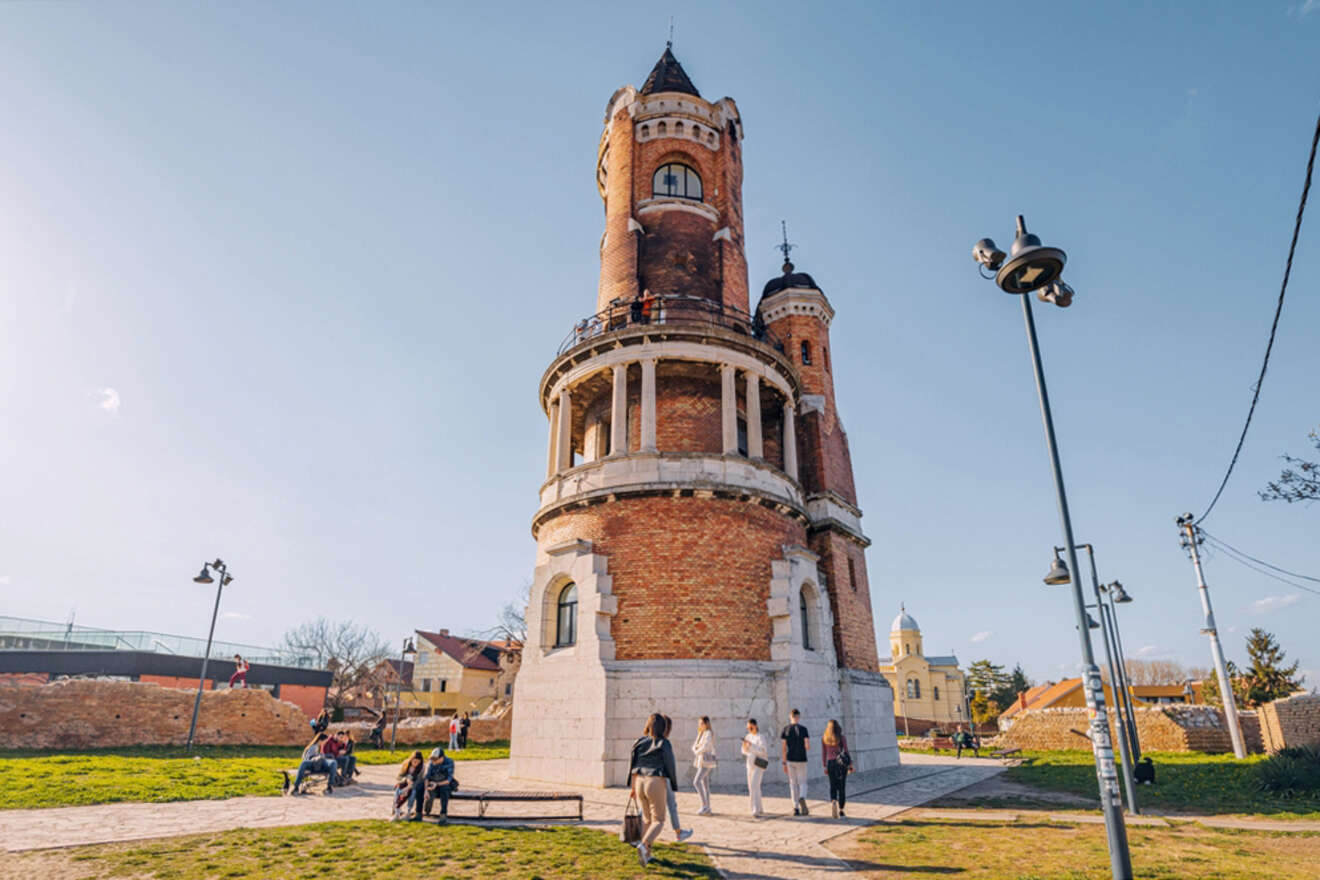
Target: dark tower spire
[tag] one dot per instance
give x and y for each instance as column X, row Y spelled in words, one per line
column 668, row 76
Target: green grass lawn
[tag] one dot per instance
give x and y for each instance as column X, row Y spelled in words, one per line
column 48, row 779
column 1189, row 782
column 1036, row 850
column 371, row 849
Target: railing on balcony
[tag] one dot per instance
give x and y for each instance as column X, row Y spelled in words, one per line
column 669, row 309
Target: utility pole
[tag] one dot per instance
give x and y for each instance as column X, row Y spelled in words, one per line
column 1190, row 541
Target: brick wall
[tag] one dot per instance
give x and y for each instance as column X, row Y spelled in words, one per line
column 850, row 600
column 692, row 575
column 1162, row 729
column 83, row 713
column 679, row 255
column 1291, row 721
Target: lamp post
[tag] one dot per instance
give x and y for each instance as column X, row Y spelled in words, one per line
column 1118, row 596
column 222, row 577
column 1032, row 267
column 1106, row 633
column 408, row 648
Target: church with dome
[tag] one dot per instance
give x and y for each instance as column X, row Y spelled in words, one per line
column 925, row 688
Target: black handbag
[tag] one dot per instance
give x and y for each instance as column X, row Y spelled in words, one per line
column 631, row 832
column 761, row 762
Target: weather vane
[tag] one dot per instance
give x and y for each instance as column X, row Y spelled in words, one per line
column 785, row 247
column 669, row 44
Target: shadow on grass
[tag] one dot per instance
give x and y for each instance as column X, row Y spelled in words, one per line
column 823, row 864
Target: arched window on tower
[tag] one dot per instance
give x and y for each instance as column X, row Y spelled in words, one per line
column 806, row 352
column 913, row 689
column 805, row 604
column 935, row 692
column 566, row 617
column 676, row 180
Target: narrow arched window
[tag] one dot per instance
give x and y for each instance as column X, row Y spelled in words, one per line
column 806, row 352
column 646, row 131
column 935, row 692
column 660, row 129
column 805, row 608
column 566, row 619
column 676, row 181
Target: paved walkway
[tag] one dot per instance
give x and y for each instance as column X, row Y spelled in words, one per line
column 779, row 846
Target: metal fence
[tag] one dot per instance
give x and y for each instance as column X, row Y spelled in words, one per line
column 669, row 309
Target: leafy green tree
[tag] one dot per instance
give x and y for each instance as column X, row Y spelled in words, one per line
column 1268, row 679
column 984, row 709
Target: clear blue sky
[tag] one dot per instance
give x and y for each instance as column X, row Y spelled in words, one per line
column 277, row 282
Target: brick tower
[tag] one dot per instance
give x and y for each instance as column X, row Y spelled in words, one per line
column 699, row 544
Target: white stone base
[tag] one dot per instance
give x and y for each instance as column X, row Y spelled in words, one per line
column 577, row 719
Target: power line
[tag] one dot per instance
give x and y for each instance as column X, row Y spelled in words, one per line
column 1228, row 546
column 1278, row 309
column 1266, row 572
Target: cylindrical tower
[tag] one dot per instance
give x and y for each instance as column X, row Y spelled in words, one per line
column 675, row 562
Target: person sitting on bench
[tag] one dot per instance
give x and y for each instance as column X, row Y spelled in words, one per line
column 338, row 749
column 409, row 787
column 964, row 740
column 314, row 761
column 439, row 781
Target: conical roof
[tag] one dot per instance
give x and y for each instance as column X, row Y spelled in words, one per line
column 668, row 76
column 903, row 621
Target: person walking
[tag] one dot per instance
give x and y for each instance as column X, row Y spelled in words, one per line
column 705, row 761
column 671, row 800
column 964, row 740
column 650, row 769
column 838, row 764
column 794, row 743
column 239, row 678
column 758, row 758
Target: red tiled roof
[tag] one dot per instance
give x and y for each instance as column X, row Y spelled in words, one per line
column 1042, row 696
column 470, row 653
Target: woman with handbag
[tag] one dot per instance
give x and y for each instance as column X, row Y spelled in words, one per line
column 758, row 758
column 838, row 764
column 650, row 770
column 705, row 762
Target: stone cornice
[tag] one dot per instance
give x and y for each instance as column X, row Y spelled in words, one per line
column 796, row 301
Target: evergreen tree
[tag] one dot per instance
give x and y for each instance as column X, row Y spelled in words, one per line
column 1267, row 678
column 1210, row 686
column 985, row 676
column 1015, row 683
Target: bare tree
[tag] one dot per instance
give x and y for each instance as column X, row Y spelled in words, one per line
column 1156, row 672
column 349, row 650
column 511, row 623
column 1301, row 484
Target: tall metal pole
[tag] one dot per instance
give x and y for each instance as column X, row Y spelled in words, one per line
column 1134, row 741
column 1216, row 650
column 398, row 688
column 1120, row 860
column 201, row 682
column 1124, row 753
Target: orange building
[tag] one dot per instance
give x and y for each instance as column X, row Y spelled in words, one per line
column 699, row 540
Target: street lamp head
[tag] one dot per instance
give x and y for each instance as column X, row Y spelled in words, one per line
column 1056, row 292
column 1091, row 622
column 1119, row 594
column 985, row 253
column 1030, row 264
column 408, row 647
column 228, row 580
column 204, row 577
column 1058, row 573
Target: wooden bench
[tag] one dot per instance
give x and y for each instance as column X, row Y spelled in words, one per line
column 941, row 742
column 1013, row 756
column 292, row 774
column 485, row 798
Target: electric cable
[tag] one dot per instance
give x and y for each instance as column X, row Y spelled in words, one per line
column 1266, row 572
column 1230, row 547
column 1278, row 310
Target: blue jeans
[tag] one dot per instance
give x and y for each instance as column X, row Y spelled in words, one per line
column 347, row 764
column 315, row 765
column 453, row 742
column 416, row 797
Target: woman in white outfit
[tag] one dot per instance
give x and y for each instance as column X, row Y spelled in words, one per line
column 758, row 758
column 705, row 762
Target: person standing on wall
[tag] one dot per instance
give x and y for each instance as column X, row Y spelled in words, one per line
column 463, row 730
column 705, row 761
column 758, row 758
column 838, row 764
column 794, row 743
column 239, row 678
column 453, row 732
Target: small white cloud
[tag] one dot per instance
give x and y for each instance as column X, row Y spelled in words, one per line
column 109, row 400
column 235, row 615
column 1306, row 8
column 1274, row 603
column 982, row 636
column 1153, row 651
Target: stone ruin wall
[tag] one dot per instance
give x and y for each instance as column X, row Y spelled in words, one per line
column 1159, row 729
column 1291, row 721
column 84, row 713
column 427, row 730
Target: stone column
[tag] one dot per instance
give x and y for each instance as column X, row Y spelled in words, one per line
column 648, row 405
column 552, row 457
column 565, row 443
column 790, row 441
column 755, row 449
column 619, row 412
column 729, row 407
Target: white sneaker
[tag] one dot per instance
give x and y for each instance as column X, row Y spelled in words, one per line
column 684, row 834
column 643, row 854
